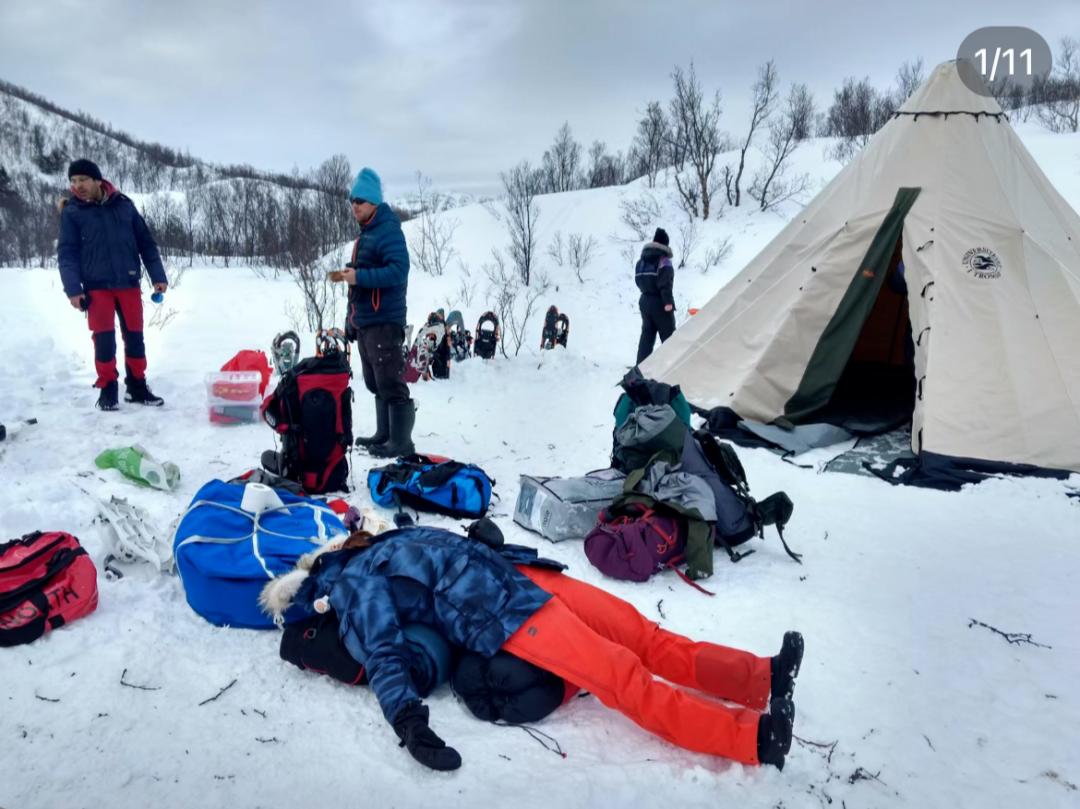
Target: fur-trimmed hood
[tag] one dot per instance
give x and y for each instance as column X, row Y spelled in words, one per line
column 662, row 248
column 277, row 596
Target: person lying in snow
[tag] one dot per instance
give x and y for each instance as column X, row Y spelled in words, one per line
column 487, row 597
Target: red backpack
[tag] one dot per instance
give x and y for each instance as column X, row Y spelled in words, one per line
column 46, row 581
column 311, row 410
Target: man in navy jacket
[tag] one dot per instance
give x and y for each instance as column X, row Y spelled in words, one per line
column 378, row 278
column 102, row 237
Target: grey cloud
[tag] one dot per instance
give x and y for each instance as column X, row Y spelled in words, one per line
column 458, row 88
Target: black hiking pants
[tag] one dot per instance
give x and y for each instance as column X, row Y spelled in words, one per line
column 382, row 358
column 654, row 320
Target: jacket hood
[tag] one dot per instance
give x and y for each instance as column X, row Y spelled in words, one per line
column 109, row 189
column 278, row 595
column 658, row 248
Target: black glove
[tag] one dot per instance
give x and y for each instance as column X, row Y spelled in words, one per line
column 411, row 726
column 486, row 531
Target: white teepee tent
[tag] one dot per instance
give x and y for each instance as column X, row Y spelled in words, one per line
column 992, row 264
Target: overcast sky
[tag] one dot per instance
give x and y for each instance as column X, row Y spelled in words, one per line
column 460, row 89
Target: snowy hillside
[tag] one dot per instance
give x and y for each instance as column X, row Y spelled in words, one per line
column 902, row 702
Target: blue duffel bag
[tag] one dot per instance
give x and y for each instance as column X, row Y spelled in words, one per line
column 432, row 483
column 226, row 555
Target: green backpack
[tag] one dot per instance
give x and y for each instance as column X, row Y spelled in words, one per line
column 641, row 392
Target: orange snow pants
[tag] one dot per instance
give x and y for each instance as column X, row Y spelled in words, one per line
column 602, row 644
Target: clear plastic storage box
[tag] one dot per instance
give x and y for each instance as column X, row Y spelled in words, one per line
column 233, row 396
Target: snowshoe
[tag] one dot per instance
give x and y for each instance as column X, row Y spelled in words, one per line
column 131, row 535
column 332, row 341
column 418, row 362
column 562, row 330
column 286, row 351
column 439, row 368
column 487, row 336
column 550, row 333
column 460, row 339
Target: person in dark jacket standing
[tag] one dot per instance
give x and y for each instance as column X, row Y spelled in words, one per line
column 655, row 276
column 102, row 238
column 378, row 278
column 483, row 596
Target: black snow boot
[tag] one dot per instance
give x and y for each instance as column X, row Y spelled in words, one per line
column 785, row 666
column 139, row 393
column 402, row 419
column 382, row 425
column 108, row 399
column 774, row 733
column 273, row 462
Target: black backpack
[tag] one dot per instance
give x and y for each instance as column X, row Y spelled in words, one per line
column 776, row 509
column 311, row 409
column 486, row 341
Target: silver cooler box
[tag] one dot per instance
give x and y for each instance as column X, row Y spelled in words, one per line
column 566, row 508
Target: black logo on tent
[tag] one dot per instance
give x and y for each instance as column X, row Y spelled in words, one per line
column 982, row 262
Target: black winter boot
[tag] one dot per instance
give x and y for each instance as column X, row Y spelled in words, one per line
column 785, row 666
column 273, row 462
column 382, row 425
column 139, row 393
column 774, row 733
column 108, row 398
column 402, row 419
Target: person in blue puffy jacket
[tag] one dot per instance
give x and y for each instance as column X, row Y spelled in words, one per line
column 102, row 239
column 378, row 278
column 485, row 596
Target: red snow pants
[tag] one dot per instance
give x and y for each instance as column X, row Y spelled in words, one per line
column 601, row 643
column 105, row 305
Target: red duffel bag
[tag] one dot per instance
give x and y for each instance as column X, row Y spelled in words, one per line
column 46, row 581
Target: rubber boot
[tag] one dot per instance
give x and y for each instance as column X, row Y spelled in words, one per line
column 382, row 425
column 402, row 419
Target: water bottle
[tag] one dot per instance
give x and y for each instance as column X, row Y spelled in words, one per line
column 157, row 297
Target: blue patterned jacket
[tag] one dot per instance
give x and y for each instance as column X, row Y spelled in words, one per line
column 467, row 592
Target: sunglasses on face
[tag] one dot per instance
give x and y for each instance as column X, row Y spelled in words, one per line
column 357, row 201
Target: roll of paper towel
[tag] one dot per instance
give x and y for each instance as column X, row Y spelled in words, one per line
column 258, row 497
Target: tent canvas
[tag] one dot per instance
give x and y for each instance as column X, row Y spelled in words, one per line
column 992, row 258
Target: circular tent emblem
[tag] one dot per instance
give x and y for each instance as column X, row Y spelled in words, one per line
column 982, row 262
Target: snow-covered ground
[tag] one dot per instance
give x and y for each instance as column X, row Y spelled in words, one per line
column 924, row 709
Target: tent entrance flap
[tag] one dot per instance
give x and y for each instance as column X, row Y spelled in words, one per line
column 832, row 355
